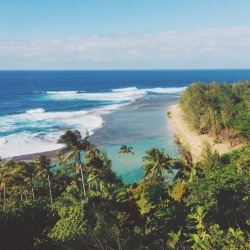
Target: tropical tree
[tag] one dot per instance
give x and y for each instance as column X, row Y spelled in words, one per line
column 125, row 150
column 108, row 174
column 95, row 166
column 43, row 166
column 157, row 162
column 74, row 146
column 11, row 174
column 209, row 157
column 92, row 160
column 28, row 174
column 8, row 172
column 5, row 177
column 100, row 166
column 218, row 109
column 241, row 158
column 187, row 169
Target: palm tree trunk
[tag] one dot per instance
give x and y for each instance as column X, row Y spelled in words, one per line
column 89, row 182
column 32, row 188
column 4, row 197
column 130, row 169
column 33, row 194
column 51, row 199
column 83, row 184
column 25, row 195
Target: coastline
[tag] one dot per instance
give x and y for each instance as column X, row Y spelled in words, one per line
column 190, row 139
column 30, row 157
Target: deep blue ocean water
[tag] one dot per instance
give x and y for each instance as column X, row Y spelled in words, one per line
column 116, row 107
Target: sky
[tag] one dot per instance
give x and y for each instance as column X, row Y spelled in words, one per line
column 124, row 34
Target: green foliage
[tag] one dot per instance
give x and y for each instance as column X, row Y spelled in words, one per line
column 111, row 223
column 209, row 158
column 200, row 236
column 198, row 217
column 160, row 212
column 206, row 205
column 219, row 109
column 231, row 239
column 239, row 159
column 27, row 226
column 157, row 164
column 224, row 191
column 187, row 170
column 71, row 226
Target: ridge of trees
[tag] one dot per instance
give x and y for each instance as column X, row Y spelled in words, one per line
column 222, row 110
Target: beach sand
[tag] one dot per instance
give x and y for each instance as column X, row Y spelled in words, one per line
column 190, row 139
column 30, row 157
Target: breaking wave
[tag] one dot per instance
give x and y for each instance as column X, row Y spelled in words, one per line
column 37, row 130
column 115, row 95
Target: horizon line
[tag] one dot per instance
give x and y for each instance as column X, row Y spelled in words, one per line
column 197, row 69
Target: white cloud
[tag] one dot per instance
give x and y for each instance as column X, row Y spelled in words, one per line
column 215, row 48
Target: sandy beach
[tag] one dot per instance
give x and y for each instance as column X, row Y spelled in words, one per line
column 30, row 157
column 190, row 139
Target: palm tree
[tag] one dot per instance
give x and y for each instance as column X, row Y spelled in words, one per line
column 74, row 146
column 5, row 173
column 99, row 163
column 125, row 150
column 157, row 163
column 8, row 172
column 94, row 166
column 28, row 174
column 42, row 164
column 187, row 169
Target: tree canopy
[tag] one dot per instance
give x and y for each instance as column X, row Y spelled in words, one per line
column 222, row 110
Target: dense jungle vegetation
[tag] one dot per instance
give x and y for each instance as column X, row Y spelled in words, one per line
column 222, row 110
column 80, row 203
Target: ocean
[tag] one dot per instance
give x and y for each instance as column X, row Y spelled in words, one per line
column 116, row 107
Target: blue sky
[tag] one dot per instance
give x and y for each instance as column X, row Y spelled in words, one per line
column 124, row 34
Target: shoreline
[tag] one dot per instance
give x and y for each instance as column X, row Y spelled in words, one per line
column 29, row 157
column 190, row 139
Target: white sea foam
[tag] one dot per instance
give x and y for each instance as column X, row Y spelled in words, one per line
column 110, row 108
column 34, row 111
column 125, row 89
column 25, row 143
column 62, row 92
column 2, row 141
column 166, row 90
column 41, row 129
column 116, row 95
